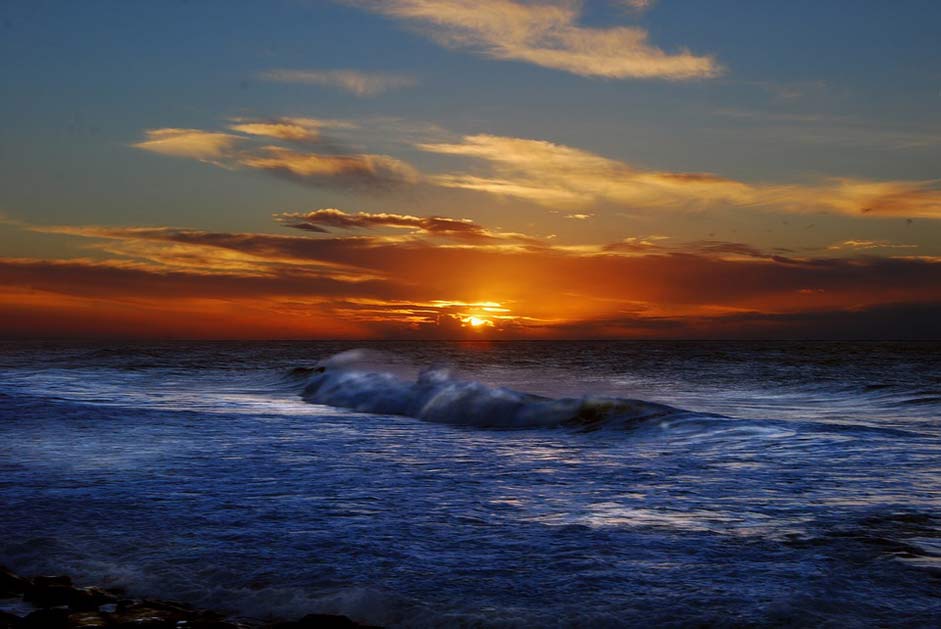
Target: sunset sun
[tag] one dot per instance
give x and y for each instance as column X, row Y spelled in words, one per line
column 476, row 322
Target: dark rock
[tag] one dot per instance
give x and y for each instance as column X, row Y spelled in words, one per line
column 90, row 599
column 50, row 581
column 49, row 595
column 12, row 584
column 56, row 618
column 63, row 606
column 319, row 621
column 49, row 591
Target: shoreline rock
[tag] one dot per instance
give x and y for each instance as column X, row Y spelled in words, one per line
column 53, row 602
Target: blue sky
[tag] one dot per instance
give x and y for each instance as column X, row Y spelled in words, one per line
column 817, row 121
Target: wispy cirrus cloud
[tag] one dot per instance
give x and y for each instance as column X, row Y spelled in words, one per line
column 554, row 174
column 546, row 34
column 558, row 175
column 246, row 150
column 288, row 129
column 459, row 229
column 638, row 5
column 354, row 81
column 196, row 144
column 835, row 130
column 246, row 251
column 326, row 169
column 869, row 244
column 550, row 174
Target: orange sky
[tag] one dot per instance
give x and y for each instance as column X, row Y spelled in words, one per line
column 495, row 169
column 446, row 279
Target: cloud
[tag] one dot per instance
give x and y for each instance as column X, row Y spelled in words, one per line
column 869, row 244
column 901, row 321
column 354, row 81
column 314, row 168
column 877, row 198
column 187, row 282
column 558, row 175
column 790, row 90
column 555, row 174
column 551, row 285
column 828, row 129
column 638, row 245
column 304, row 130
column 890, row 321
column 115, row 278
column 546, row 34
column 460, row 229
column 80, row 298
column 320, row 169
column 205, row 146
column 726, row 249
column 638, row 5
column 543, row 172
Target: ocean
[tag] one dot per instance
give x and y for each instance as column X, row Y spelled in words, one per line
column 504, row 484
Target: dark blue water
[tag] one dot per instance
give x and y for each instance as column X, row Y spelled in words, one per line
column 474, row 484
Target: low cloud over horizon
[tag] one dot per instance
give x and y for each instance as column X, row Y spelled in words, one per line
column 446, row 273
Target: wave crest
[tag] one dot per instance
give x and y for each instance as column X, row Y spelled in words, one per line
column 437, row 395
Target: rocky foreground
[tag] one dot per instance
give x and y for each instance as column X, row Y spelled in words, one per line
column 53, row 602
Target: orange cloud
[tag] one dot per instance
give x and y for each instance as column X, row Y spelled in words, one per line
column 543, row 172
column 876, row 198
column 290, row 129
column 558, row 175
column 192, row 143
column 334, row 286
column 555, row 174
column 315, row 168
column 546, row 34
column 461, row 229
column 869, row 244
column 242, row 151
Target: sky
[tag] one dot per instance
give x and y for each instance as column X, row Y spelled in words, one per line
column 470, row 169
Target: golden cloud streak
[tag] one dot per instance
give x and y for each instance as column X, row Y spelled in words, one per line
column 545, row 34
column 558, row 175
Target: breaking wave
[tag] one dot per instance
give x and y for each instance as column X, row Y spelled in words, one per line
column 436, row 395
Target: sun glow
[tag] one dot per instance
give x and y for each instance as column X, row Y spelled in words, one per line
column 476, row 322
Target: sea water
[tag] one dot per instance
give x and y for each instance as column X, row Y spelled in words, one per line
column 484, row 484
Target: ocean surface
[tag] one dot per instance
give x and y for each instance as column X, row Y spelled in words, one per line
column 484, row 484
